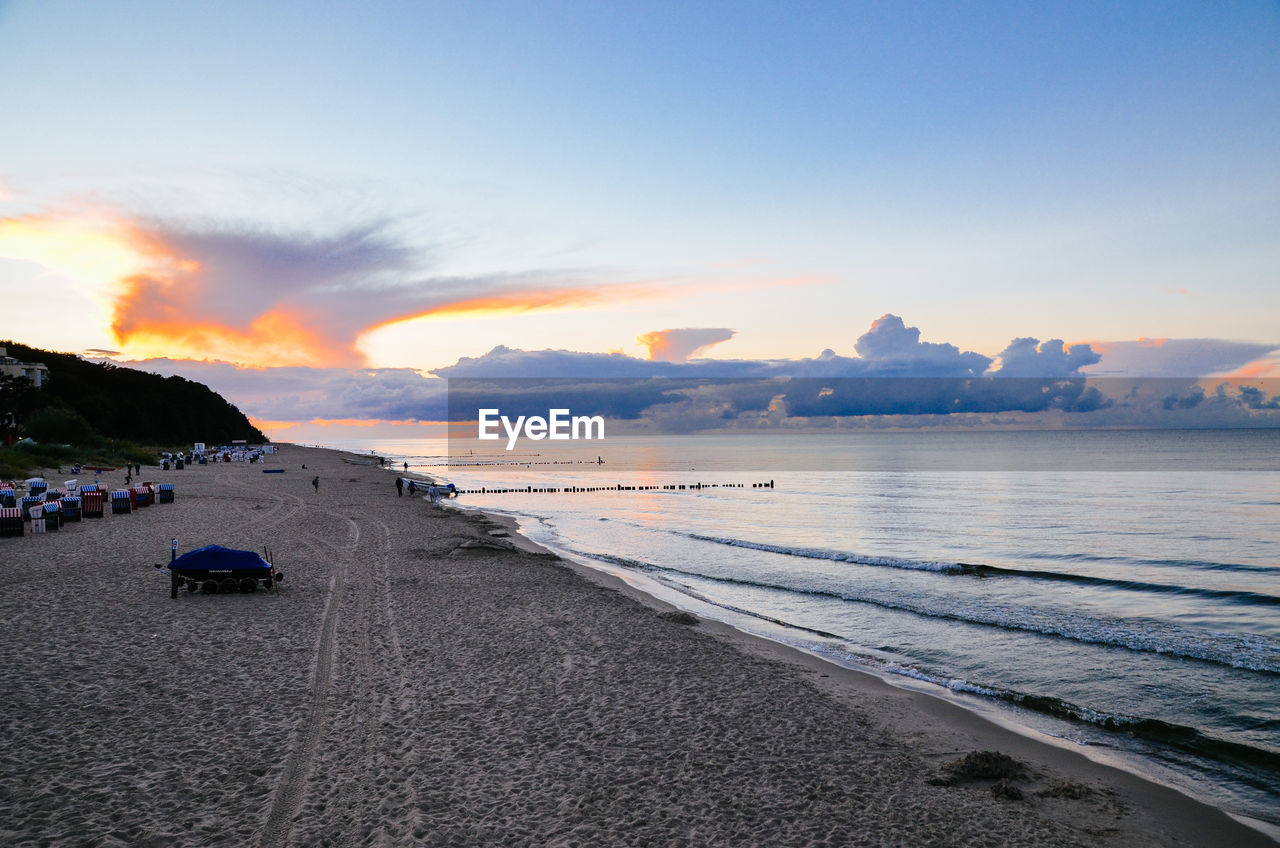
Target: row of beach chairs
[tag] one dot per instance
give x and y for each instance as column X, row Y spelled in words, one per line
column 45, row 510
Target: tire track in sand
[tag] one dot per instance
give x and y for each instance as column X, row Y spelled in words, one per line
column 283, row 502
column 361, row 792
column 293, row 781
column 398, row 707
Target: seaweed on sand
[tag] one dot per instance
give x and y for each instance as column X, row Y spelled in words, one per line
column 980, row 765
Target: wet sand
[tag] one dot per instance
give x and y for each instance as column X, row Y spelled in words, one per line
column 418, row 681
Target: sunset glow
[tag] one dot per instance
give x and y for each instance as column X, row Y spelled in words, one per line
column 273, row 338
column 1259, row 369
column 759, row 196
column 531, row 300
column 324, row 429
column 92, row 247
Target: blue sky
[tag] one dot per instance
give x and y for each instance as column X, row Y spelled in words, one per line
column 793, row 171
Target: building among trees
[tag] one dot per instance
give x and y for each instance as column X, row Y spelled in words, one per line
column 36, row 372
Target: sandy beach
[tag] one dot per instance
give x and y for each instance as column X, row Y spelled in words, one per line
column 417, row 681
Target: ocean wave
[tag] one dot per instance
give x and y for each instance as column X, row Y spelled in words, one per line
column 1170, row 734
column 1257, row 766
column 821, row 553
column 955, row 684
column 990, row 571
column 1196, row 564
column 1261, row 766
column 1238, row 596
column 1241, row 651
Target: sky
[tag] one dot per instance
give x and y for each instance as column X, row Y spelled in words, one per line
column 366, row 193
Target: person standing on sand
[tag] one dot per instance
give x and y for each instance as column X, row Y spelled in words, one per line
column 399, row 486
column 413, row 488
column 315, row 482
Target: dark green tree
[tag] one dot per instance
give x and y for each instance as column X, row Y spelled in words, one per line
column 125, row 403
column 59, row 426
column 18, row 397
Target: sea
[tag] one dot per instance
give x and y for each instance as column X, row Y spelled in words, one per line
column 1115, row 592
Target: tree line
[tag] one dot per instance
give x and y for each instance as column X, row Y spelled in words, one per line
column 82, row 400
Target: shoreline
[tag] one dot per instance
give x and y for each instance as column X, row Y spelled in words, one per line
column 989, row 725
column 419, row 681
column 988, row 728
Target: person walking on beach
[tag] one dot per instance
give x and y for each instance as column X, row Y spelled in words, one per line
column 315, row 482
column 413, row 488
column 399, row 486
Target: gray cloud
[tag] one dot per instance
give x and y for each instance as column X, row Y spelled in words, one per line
column 895, row 376
column 252, row 286
column 1252, row 397
column 299, row 393
column 890, row 348
column 1177, row 357
column 505, row 362
column 1028, row 358
column 1188, row 398
column 895, row 373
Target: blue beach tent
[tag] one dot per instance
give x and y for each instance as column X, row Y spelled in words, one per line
column 214, row 568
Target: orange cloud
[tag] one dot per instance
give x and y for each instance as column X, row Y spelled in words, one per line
column 272, row 426
column 680, row 344
column 531, row 300
column 376, row 422
column 1104, row 347
column 330, row 428
column 1098, row 346
column 256, row 297
column 148, row 288
column 273, row 338
column 165, row 314
column 1258, row 369
column 584, row 297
